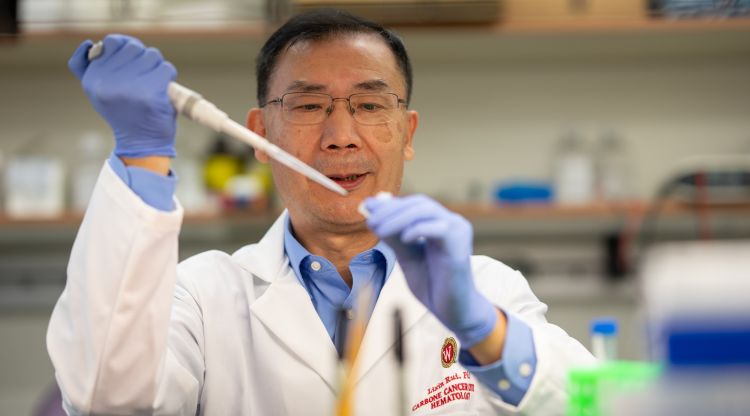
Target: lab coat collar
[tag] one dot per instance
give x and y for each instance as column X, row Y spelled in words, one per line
column 286, row 310
column 296, row 253
column 266, row 259
column 285, row 307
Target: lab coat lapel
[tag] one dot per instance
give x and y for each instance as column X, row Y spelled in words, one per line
column 286, row 310
column 379, row 336
column 285, row 307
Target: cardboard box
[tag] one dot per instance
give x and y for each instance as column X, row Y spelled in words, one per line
column 412, row 11
column 573, row 9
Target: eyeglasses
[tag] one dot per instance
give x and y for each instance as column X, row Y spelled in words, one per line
column 314, row 108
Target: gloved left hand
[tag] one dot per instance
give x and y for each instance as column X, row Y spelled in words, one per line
column 433, row 246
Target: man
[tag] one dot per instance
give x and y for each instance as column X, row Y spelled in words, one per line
column 254, row 332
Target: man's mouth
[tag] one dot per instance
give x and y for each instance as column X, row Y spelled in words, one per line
column 349, row 181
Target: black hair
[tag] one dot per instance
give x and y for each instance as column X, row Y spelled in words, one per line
column 323, row 24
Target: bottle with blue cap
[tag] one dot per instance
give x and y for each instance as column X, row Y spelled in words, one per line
column 604, row 338
column 607, row 388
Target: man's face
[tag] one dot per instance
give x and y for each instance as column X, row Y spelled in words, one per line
column 365, row 159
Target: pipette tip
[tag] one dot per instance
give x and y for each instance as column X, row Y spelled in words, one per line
column 339, row 190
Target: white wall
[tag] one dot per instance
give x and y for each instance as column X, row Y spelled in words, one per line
column 492, row 121
column 492, row 106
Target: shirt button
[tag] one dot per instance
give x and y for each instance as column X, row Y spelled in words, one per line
column 315, row 266
column 349, row 314
column 525, row 369
column 503, row 384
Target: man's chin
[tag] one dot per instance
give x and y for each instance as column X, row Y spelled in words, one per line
column 338, row 215
column 345, row 216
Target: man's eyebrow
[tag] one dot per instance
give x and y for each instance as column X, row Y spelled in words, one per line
column 302, row 86
column 372, row 85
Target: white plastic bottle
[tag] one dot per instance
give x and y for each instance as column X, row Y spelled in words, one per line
column 89, row 163
column 613, row 170
column 574, row 172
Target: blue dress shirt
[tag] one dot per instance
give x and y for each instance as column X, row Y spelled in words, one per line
column 328, row 291
column 154, row 189
column 509, row 377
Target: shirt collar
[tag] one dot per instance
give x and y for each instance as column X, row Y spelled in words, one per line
column 296, row 252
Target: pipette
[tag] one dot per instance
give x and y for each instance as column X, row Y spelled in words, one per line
column 343, row 404
column 398, row 349
column 192, row 105
column 352, row 343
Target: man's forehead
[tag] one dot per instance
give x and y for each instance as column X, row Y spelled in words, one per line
column 373, row 72
column 363, row 46
column 361, row 39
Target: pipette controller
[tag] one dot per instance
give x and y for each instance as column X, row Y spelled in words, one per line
column 192, row 105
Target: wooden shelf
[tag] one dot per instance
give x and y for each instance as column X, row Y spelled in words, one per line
column 540, row 41
column 68, row 218
column 546, row 211
column 152, row 31
column 590, row 25
column 255, row 29
column 470, row 211
column 594, row 210
column 74, row 219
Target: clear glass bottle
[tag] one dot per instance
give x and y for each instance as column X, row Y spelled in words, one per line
column 574, row 171
column 613, row 170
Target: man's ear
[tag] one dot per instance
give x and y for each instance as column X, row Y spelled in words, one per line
column 413, row 120
column 256, row 124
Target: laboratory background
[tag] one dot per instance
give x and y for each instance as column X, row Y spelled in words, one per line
column 601, row 147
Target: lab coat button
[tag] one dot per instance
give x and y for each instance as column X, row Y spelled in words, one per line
column 315, row 266
column 503, row 384
column 525, row 369
column 349, row 314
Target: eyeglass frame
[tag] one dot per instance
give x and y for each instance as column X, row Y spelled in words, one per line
column 352, row 111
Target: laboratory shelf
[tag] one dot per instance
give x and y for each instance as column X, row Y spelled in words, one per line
column 478, row 213
column 496, row 228
column 592, row 219
column 519, row 40
column 625, row 25
column 260, row 29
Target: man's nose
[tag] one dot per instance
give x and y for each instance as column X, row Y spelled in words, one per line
column 340, row 131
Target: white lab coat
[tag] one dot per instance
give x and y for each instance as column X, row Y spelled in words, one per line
column 221, row 334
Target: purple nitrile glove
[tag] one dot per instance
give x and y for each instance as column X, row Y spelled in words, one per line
column 127, row 85
column 434, row 247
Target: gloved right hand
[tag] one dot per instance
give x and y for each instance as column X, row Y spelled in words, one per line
column 433, row 246
column 127, row 85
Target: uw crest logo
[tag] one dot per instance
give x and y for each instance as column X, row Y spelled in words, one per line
column 449, row 352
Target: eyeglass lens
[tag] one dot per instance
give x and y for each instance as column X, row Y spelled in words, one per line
column 308, row 108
